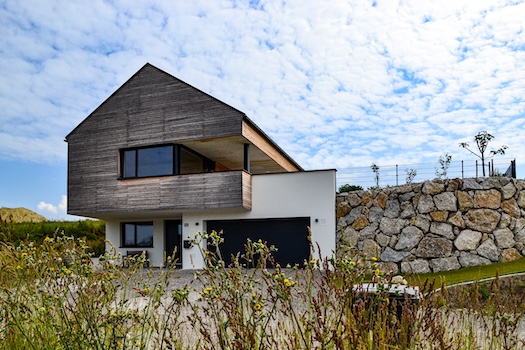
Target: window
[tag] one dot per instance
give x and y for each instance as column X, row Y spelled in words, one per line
column 137, row 234
column 192, row 163
column 150, row 161
column 161, row 161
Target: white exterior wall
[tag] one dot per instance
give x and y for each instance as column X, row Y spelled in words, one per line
column 286, row 195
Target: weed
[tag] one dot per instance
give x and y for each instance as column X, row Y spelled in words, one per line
column 52, row 297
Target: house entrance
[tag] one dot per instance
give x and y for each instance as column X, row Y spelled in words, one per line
column 288, row 235
column 173, row 240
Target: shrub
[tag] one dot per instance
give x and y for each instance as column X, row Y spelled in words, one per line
column 349, row 188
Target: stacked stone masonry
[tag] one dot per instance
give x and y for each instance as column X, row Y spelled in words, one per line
column 438, row 225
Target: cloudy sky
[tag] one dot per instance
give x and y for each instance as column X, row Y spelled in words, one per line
column 337, row 84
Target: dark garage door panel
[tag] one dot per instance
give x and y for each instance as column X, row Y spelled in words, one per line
column 289, row 236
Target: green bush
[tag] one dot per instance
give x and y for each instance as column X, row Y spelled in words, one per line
column 349, row 188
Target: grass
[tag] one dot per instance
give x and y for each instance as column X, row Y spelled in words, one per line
column 51, row 297
column 469, row 274
column 93, row 231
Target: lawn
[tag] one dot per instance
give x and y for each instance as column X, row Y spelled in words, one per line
column 469, row 274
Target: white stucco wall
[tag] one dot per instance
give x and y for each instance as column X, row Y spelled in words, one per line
column 287, row 195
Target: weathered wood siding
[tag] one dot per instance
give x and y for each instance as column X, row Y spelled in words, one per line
column 151, row 108
column 230, row 189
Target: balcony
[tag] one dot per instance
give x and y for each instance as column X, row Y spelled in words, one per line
column 166, row 194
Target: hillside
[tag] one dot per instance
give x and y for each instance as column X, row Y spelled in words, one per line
column 15, row 215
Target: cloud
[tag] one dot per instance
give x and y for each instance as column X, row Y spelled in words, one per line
column 58, row 209
column 341, row 84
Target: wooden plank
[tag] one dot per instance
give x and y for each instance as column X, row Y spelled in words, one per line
column 267, row 147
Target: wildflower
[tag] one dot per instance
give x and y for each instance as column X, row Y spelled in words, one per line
column 254, row 295
column 180, row 294
column 374, row 258
column 113, row 314
column 287, row 282
column 207, row 292
column 257, row 307
column 377, row 272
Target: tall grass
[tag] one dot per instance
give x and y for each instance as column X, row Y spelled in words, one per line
column 52, row 297
column 93, row 231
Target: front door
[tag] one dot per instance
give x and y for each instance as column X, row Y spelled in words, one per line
column 173, row 240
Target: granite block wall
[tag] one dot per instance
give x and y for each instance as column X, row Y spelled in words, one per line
column 438, row 225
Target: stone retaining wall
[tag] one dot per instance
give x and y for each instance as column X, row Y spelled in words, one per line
column 437, row 225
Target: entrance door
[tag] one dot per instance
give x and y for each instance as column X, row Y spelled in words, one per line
column 173, row 240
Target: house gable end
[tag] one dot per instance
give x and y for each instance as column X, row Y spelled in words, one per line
column 153, row 102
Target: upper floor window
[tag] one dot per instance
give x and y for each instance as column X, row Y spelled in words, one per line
column 191, row 162
column 150, row 161
column 162, row 160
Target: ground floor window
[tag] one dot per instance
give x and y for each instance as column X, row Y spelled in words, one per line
column 137, row 234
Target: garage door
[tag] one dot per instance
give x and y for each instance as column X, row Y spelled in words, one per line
column 289, row 236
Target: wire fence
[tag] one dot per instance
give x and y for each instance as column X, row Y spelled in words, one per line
column 400, row 174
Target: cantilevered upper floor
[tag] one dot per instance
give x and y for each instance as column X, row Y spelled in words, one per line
column 158, row 144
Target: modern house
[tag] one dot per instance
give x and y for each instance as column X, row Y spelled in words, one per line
column 160, row 160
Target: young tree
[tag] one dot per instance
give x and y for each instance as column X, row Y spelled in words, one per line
column 375, row 169
column 444, row 162
column 411, row 174
column 482, row 140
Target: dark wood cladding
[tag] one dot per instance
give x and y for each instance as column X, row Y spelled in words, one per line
column 155, row 107
column 151, row 108
column 230, row 189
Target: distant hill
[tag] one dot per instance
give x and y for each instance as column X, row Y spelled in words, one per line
column 14, row 215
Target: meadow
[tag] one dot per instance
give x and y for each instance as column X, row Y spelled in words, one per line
column 52, row 296
column 92, row 231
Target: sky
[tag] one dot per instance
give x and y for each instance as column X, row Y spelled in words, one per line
column 336, row 84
